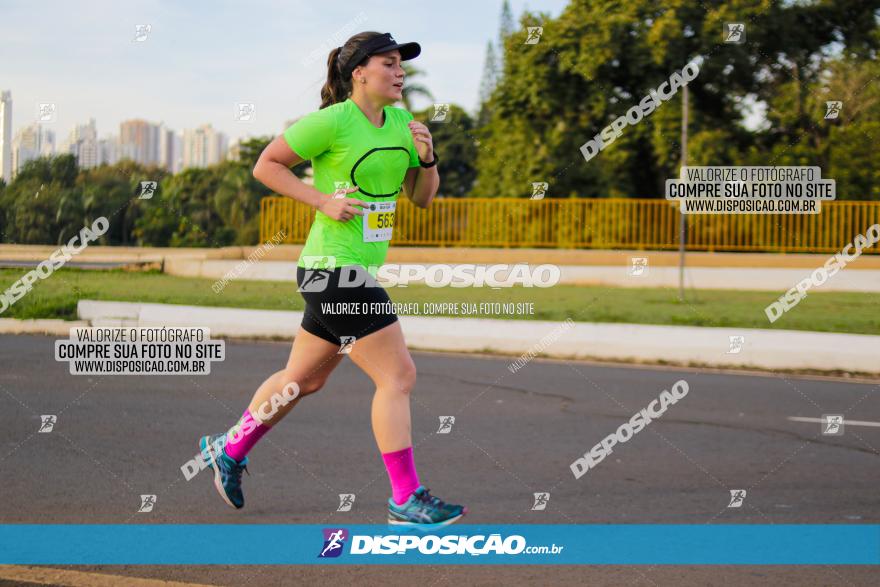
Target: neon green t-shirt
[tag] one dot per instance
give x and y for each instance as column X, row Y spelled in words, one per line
column 346, row 150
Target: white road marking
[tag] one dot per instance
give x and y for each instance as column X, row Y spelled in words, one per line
column 845, row 421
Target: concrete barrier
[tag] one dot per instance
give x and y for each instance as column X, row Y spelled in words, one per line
column 233, row 322
column 764, row 349
column 217, row 269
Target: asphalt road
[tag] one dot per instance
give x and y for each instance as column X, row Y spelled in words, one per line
column 515, row 434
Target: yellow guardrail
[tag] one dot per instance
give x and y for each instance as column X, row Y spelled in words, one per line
column 594, row 224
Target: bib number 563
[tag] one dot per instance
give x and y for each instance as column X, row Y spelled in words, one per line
column 385, row 220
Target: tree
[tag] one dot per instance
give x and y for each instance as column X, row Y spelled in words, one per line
column 506, row 26
column 43, row 204
column 843, row 147
column 456, row 143
column 250, row 149
column 488, row 83
column 601, row 57
column 237, row 201
column 50, row 200
column 113, row 191
column 3, row 206
column 505, row 29
column 184, row 214
column 410, row 89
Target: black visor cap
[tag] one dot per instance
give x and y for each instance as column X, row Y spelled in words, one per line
column 381, row 44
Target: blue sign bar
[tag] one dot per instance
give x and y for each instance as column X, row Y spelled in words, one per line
column 563, row 544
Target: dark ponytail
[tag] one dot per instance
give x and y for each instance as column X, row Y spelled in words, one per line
column 338, row 89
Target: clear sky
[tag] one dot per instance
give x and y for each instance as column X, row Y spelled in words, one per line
column 201, row 58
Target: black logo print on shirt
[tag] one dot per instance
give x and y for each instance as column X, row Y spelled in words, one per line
column 390, row 164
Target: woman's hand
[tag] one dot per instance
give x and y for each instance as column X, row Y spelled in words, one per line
column 423, row 141
column 340, row 208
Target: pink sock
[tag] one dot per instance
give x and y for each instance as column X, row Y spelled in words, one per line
column 242, row 437
column 402, row 472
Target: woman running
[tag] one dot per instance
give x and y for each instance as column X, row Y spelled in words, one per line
column 358, row 144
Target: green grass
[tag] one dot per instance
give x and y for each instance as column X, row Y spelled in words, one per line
column 56, row 297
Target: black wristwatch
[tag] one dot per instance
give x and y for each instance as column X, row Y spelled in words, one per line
column 431, row 164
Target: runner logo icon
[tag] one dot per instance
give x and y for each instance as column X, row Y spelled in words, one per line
column 832, row 424
column 346, row 500
column 440, row 113
column 147, row 503
column 735, row 32
column 639, row 266
column 534, row 35
column 318, row 268
column 541, row 500
column 736, row 344
column 446, row 423
column 539, row 189
column 147, row 190
column 737, row 496
column 47, row 423
column 334, row 541
column 345, row 344
column 832, row 109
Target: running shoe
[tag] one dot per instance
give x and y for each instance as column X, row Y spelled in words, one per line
column 227, row 471
column 424, row 510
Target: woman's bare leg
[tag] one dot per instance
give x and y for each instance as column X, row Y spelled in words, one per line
column 311, row 361
column 384, row 357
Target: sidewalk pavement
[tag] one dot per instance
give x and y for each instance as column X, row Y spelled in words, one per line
column 730, row 278
column 685, row 345
column 452, row 254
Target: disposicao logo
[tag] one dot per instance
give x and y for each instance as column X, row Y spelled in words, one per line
column 334, row 542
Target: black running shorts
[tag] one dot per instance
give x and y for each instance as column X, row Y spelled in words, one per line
column 343, row 302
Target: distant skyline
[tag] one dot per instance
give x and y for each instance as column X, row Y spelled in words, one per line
column 200, row 59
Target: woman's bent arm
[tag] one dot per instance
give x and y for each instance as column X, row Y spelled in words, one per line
column 273, row 171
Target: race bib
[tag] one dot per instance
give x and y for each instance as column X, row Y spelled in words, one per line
column 379, row 221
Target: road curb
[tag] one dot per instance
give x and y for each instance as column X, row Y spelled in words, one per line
column 42, row 326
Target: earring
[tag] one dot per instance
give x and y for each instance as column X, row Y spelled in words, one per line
column 363, row 81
